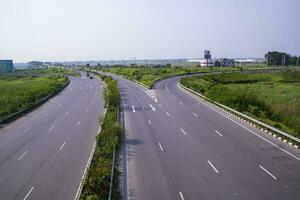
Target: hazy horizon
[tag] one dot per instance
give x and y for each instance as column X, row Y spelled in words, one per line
column 72, row 30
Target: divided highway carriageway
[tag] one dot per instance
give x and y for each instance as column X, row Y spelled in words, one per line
column 43, row 154
column 180, row 147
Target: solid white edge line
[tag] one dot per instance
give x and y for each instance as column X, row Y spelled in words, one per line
column 212, row 166
column 87, row 166
column 160, row 147
column 181, row 195
column 27, row 195
column 266, row 140
column 274, row 177
column 62, row 146
column 166, row 85
column 22, row 155
column 219, row 133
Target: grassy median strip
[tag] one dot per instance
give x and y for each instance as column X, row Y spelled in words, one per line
column 97, row 182
column 148, row 76
column 273, row 98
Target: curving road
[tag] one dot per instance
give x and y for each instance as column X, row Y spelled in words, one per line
column 181, row 147
column 43, row 154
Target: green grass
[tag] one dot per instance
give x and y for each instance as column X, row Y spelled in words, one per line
column 148, row 75
column 273, row 98
column 97, row 183
column 22, row 88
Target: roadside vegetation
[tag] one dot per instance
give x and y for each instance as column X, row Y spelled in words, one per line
column 97, row 182
column 20, row 90
column 148, row 76
column 51, row 71
column 273, row 98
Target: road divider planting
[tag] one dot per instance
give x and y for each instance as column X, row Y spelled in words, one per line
column 99, row 181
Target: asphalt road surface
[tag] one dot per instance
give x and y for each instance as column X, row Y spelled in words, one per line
column 180, row 147
column 43, row 154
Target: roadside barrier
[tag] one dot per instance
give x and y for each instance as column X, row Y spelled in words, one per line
column 281, row 135
column 31, row 106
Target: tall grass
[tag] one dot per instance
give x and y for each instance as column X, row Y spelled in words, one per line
column 17, row 93
column 271, row 97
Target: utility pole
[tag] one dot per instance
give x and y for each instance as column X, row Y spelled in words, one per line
column 221, row 62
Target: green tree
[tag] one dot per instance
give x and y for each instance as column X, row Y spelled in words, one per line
column 277, row 58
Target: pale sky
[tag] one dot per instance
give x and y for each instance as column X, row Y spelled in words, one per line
column 66, row 30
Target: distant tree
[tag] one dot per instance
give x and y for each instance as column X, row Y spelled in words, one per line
column 168, row 65
column 35, row 64
column 293, row 60
column 277, row 58
column 217, row 63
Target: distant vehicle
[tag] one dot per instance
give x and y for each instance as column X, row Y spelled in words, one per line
column 91, row 77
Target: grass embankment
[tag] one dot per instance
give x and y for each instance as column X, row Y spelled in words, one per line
column 20, row 90
column 97, row 182
column 148, row 76
column 273, row 98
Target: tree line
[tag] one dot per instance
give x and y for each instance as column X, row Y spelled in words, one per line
column 276, row 58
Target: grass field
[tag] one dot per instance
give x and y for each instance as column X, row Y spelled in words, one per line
column 273, row 98
column 19, row 90
column 148, row 75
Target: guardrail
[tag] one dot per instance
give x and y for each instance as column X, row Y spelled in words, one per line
column 111, row 184
column 264, row 127
column 113, row 156
column 88, row 164
column 293, row 141
column 31, row 106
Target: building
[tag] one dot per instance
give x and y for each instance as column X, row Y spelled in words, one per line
column 224, row 62
column 6, row 66
column 202, row 62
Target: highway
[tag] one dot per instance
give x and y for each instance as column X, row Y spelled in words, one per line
column 180, row 147
column 43, row 155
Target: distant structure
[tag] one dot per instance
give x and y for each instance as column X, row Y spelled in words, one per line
column 224, row 62
column 6, row 66
column 207, row 57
